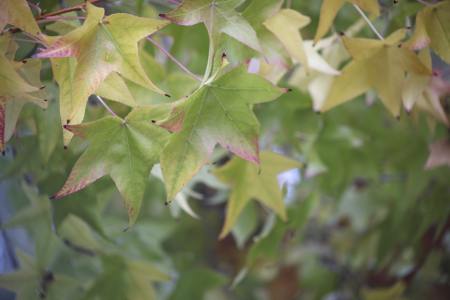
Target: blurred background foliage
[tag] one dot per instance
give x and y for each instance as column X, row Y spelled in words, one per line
column 366, row 220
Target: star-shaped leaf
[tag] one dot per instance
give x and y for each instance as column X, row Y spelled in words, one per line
column 376, row 64
column 330, row 8
column 18, row 14
column 219, row 16
column 433, row 29
column 220, row 112
column 15, row 91
column 249, row 181
column 102, row 46
column 286, row 25
column 124, row 149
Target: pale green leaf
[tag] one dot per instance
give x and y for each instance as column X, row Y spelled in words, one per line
column 249, row 181
column 220, row 112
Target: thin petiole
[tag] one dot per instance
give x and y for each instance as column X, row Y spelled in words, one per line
column 176, row 61
column 102, row 102
column 374, row 29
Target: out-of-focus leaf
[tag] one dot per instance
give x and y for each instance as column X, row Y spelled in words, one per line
column 125, row 279
column 432, row 29
column 391, row 293
column 194, row 283
column 249, row 181
column 439, row 154
column 15, row 91
column 32, row 282
column 18, row 13
column 246, row 224
column 370, row 57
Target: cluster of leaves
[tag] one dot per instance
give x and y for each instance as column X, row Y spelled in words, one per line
column 362, row 178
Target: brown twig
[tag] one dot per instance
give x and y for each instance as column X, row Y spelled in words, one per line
column 65, row 10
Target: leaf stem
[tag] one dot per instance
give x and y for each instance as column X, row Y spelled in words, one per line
column 211, row 53
column 176, row 61
column 374, row 29
column 102, row 102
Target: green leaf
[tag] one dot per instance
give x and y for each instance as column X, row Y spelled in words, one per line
column 124, row 149
column 219, row 16
column 31, row 282
column 195, row 283
column 102, row 46
column 15, row 91
column 246, row 224
column 112, row 88
column 260, row 10
column 267, row 248
column 249, row 181
column 220, row 112
column 75, row 231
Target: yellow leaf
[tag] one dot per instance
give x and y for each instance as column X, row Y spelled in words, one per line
column 18, row 14
column 424, row 91
column 330, row 8
column 380, row 65
column 102, row 46
column 286, row 25
column 249, row 181
column 433, row 29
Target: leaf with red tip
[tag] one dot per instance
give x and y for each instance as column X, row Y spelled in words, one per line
column 124, row 149
column 102, row 46
column 423, row 92
column 220, row 112
column 433, row 29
